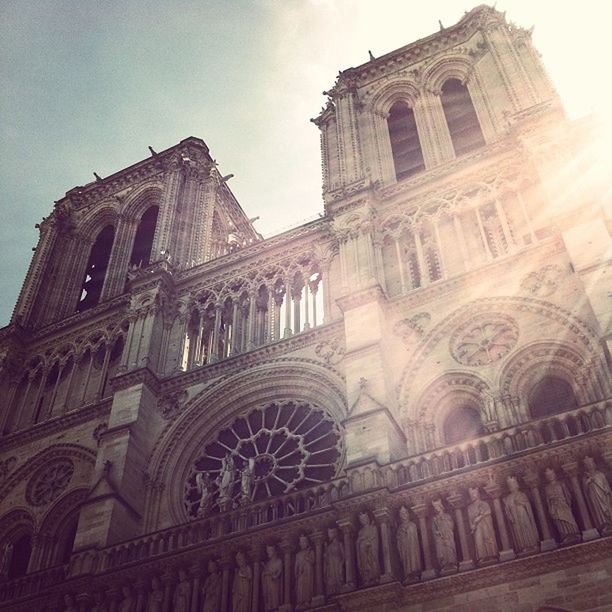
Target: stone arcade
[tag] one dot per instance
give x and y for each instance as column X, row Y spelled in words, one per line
column 403, row 405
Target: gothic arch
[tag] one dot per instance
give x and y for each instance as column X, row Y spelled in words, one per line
column 397, row 91
column 92, row 223
column 445, row 68
column 217, row 406
column 583, row 336
column 145, row 195
column 56, row 451
column 539, row 359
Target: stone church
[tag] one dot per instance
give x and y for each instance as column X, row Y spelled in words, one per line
column 403, row 405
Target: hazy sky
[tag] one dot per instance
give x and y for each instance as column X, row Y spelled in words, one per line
column 86, row 86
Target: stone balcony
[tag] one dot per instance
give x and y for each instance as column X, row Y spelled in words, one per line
column 560, row 442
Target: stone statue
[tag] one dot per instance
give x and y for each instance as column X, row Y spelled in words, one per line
column 367, row 550
column 246, row 479
column 156, row 596
column 271, row 579
column 5, row 560
column 203, row 485
column 226, row 477
column 182, row 593
column 481, row 525
column 520, row 517
column 242, row 585
column 333, row 562
column 408, row 545
column 211, row 589
column 128, row 603
column 444, row 536
column 99, row 605
column 304, row 573
column 558, row 500
column 598, row 494
column 69, row 604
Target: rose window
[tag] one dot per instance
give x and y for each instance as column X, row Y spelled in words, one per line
column 482, row 342
column 272, row 450
column 49, row 482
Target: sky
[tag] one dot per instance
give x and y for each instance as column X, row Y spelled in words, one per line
column 86, row 86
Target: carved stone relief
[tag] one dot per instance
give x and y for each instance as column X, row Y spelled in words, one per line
column 484, row 340
column 542, row 282
column 49, row 482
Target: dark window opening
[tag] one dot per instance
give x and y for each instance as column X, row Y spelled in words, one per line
column 461, row 118
column 143, row 241
column 405, row 144
column 91, row 288
column 551, row 395
column 461, row 424
column 20, row 557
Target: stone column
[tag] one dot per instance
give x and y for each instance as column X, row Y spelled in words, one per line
column 256, row 557
column 112, row 596
column 168, row 582
column 83, row 601
column 547, row 543
column 141, row 595
column 286, row 548
column 382, row 518
column 429, row 572
column 346, row 526
column 457, row 501
column 319, row 597
column 506, row 553
column 196, row 574
column 589, row 532
column 225, row 582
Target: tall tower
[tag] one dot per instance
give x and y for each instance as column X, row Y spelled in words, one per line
column 404, row 404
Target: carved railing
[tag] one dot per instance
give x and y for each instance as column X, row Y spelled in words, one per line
column 414, row 482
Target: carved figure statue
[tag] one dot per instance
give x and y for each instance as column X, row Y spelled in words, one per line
column 333, row 562
column 5, row 560
column 156, row 596
column 69, row 604
column 520, row 517
column 271, row 579
column 367, row 550
column 226, row 476
column 203, row 485
column 211, row 589
column 246, row 478
column 481, row 525
column 242, row 585
column 182, row 593
column 99, row 605
column 408, row 544
column 444, row 536
column 128, row 603
column 558, row 500
column 304, row 573
column 598, row 494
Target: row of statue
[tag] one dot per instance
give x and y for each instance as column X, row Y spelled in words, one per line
column 224, row 484
column 368, row 549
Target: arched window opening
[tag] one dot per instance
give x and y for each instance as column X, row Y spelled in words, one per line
column 143, row 241
column 91, row 288
column 461, row 118
column 461, row 424
column 551, row 395
column 19, row 558
column 113, row 365
column 405, row 144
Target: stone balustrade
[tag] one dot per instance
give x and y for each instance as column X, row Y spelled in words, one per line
column 409, row 521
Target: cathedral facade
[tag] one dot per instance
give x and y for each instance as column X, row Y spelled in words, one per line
column 403, row 405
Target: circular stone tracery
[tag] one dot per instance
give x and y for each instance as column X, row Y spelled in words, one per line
column 287, row 446
column 488, row 339
column 49, row 482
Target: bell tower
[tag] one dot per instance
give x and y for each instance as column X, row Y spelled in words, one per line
column 173, row 206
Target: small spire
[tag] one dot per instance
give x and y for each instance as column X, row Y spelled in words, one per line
column 98, row 177
column 372, row 58
column 153, row 152
column 440, row 24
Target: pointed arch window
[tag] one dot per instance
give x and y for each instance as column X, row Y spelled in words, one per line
column 143, row 241
column 551, row 395
column 405, row 144
column 463, row 125
column 95, row 273
column 461, row 424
